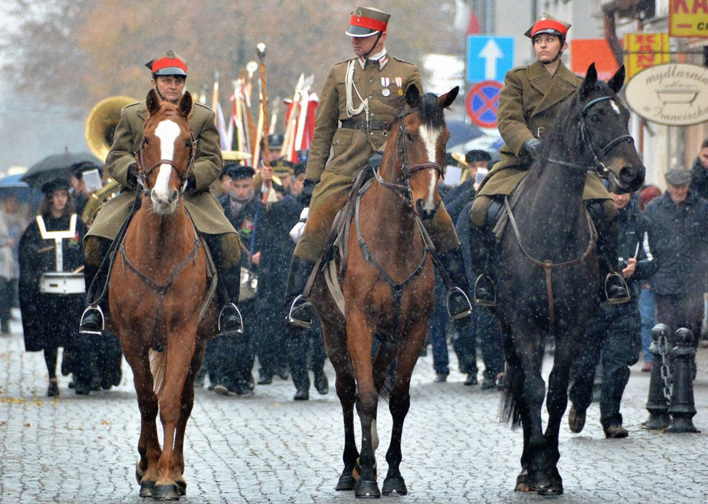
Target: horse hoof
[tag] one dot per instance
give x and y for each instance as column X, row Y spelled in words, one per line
column 139, row 473
column 181, row 486
column 146, row 488
column 550, row 490
column 367, row 489
column 522, row 482
column 346, row 482
column 394, row 484
column 169, row 491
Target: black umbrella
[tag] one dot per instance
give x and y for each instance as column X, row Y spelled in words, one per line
column 56, row 165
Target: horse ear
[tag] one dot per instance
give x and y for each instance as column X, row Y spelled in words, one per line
column 617, row 80
column 412, row 96
column 590, row 80
column 152, row 102
column 186, row 104
column 446, row 100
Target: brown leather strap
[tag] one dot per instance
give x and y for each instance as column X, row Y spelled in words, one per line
column 372, row 125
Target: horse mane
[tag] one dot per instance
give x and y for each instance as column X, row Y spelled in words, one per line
column 430, row 111
column 566, row 129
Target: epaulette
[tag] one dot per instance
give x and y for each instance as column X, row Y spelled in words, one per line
column 519, row 68
column 196, row 103
column 131, row 105
column 400, row 60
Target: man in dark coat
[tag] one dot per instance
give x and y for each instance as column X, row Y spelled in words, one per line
column 699, row 172
column 230, row 359
column 613, row 333
column 679, row 221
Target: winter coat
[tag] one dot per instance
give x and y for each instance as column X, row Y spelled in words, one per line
column 679, row 244
column 699, row 179
column 202, row 206
column 635, row 240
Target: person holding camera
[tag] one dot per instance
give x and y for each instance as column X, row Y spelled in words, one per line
column 613, row 336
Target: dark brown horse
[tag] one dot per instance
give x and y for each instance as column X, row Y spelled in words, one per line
column 547, row 265
column 159, row 297
column 387, row 286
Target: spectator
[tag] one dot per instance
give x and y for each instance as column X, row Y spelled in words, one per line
column 647, row 303
column 679, row 220
column 699, row 172
column 12, row 224
column 612, row 335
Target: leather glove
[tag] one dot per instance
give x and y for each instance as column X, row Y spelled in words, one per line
column 191, row 183
column 133, row 176
column 533, row 147
column 308, row 188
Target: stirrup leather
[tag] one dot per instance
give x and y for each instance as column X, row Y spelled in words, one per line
column 89, row 309
column 299, row 302
column 456, row 291
column 226, row 308
column 617, row 300
column 485, row 302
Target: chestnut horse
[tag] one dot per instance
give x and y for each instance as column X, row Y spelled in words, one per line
column 546, row 265
column 160, row 298
column 387, row 285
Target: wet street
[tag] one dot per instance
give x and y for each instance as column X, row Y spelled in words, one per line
column 268, row 448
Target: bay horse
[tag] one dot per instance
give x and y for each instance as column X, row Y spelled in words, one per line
column 387, row 283
column 546, row 265
column 161, row 302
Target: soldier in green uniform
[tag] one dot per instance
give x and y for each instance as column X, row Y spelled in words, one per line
column 528, row 104
column 360, row 100
column 169, row 72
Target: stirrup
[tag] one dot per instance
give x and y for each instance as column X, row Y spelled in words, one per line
column 456, row 292
column 231, row 332
column 89, row 309
column 481, row 301
column 621, row 299
column 298, row 304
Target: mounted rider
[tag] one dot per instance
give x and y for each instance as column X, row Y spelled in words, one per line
column 360, row 100
column 169, row 72
column 528, row 105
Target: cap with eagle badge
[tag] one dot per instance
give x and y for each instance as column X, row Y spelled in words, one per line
column 367, row 21
column 548, row 24
column 169, row 63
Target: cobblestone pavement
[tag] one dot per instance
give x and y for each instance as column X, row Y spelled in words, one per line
column 268, row 448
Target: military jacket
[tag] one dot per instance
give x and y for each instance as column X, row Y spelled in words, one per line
column 528, row 105
column 203, row 207
column 344, row 151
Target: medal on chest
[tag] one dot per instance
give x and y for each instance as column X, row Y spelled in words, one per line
column 385, row 82
column 399, row 84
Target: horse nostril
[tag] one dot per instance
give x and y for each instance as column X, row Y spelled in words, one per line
column 174, row 196
column 628, row 174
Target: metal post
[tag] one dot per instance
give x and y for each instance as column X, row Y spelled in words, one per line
column 682, row 408
column 657, row 403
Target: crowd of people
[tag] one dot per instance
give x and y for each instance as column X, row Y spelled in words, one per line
column 654, row 257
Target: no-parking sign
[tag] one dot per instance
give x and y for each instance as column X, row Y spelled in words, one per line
column 482, row 103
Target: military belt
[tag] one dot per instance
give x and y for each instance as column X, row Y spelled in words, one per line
column 366, row 126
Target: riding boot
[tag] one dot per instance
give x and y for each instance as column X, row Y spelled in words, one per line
column 615, row 289
column 458, row 304
column 300, row 312
column 92, row 319
column 230, row 319
column 297, row 346
column 481, row 244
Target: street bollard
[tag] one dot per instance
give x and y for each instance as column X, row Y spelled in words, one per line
column 682, row 408
column 657, row 403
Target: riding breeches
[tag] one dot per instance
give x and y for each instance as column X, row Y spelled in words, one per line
column 503, row 183
column 331, row 195
column 225, row 250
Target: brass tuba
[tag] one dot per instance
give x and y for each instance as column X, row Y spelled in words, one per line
column 100, row 127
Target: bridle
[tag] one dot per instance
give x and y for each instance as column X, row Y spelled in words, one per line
column 404, row 190
column 144, row 173
column 586, row 137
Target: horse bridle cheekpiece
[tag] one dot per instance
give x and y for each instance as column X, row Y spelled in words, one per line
column 586, row 135
column 408, row 170
column 144, row 173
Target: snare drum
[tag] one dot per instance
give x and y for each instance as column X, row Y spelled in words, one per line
column 249, row 284
column 61, row 283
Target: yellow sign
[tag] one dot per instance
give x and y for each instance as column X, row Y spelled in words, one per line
column 688, row 18
column 644, row 50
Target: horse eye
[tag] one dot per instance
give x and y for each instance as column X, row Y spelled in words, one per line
column 188, row 144
column 409, row 137
column 145, row 141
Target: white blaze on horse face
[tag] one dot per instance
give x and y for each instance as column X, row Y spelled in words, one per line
column 615, row 107
column 430, row 139
column 167, row 131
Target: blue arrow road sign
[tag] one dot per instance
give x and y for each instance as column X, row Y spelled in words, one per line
column 489, row 58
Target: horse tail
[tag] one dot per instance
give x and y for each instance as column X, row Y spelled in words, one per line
column 513, row 395
column 158, row 368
